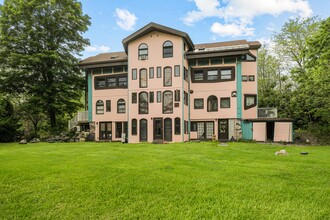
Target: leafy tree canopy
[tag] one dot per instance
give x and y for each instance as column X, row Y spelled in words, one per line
column 39, row 44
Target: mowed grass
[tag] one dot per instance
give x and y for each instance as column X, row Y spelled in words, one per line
column 169, row 181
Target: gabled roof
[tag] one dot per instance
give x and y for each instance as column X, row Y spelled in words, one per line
column 113, row 57
column 157, row 27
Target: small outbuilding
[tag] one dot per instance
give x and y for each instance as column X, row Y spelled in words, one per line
column 268, row 129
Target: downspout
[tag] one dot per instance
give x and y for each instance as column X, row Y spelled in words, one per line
column 182, row 93
column 128, row 101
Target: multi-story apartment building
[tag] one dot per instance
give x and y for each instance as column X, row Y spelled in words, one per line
column 165, row 88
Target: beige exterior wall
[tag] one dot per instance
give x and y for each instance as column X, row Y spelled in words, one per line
column 155, row 59
column 249, row 69
column 259, row 131
column 113, row 95
column 283, row 132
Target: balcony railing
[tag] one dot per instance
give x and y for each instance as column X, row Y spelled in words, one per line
column 80, row 117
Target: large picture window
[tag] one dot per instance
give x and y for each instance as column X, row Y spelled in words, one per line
column 212, row 103
column 110, row 82
column 99, row 107
column 167, row 49
column 167, row 76
column 143, row 52
column 209, row 75
column 121, row 106
column 250, row 101
column 143, row 103
column 167, row 102
column 143, row 78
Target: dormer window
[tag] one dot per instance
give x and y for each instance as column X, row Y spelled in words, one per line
column 143, row 52
column 167, row 49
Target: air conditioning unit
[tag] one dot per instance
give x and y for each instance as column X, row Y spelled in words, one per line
column 267, row 113
column 143, row 57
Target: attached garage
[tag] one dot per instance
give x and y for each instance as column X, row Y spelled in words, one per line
column 271, row 129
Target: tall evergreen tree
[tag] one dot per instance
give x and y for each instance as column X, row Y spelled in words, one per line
column 39, row 44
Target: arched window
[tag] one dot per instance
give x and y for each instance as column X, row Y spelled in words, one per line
column 143, row 103
column 177, row 126
column 99, row 107
column 143, row 78
column 167, row 102
column 121, row 106
column 167, row 49
column 134, row 126
column 212, row 104
column 143, row 130
column 143, row 52
column 167, row 76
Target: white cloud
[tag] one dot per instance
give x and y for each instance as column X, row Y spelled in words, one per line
column 97, row 48
column 231, row 29
column 238, row 14
column 125, row 19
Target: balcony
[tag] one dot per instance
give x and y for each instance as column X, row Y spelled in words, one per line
column 79, row 118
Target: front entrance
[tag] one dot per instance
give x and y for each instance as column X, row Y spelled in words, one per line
column 223, row 129
column 270, row 130
column 158, row 129
column 105, row 131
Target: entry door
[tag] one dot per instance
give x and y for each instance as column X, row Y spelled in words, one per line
column 223, row 129
column 158, row 129
column 143, row 130
column 168, row 129
column 105, row 131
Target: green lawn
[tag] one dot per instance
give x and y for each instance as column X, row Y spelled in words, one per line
column 172, row 181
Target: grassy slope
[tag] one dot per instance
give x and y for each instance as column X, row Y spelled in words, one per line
column 191, row 180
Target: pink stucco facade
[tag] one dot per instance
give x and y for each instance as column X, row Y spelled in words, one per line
column 173, row 90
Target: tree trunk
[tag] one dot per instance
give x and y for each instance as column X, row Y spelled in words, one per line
column 52, row 118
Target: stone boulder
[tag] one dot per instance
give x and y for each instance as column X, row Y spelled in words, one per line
column 282, row 152
column 23, row 141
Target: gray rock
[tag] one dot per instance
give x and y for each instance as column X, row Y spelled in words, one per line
column 23, row 141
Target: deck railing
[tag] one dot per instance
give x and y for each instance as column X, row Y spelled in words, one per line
column 80, row 117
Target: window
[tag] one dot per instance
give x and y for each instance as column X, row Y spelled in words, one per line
column 134, row 97
column 185, row 74
column 143, row 52
column 177, row 126
column 167, row 102
column 167, row 49
column 134, row 126
column 185, row 98
column 193, row 126
column 151, row 97
column 143, row 103
column 167, row 76
column 250, row 101
column 185, row 127
column 108, row 105
column 143, row 130
column 100, row 82
column 151, row 73
column 134, row 74
column 177, row 70
column 226, row 74
column 251, row 78
column 111, row 82
column 212, row 75
column 122, row 81
column 119, row 129
column 198, row 75
column 177, row 95
column 212, row 104
column 244, row 78
column 143, row 78
column 229, row 60
column 225, row 102
column 203, row 62
column 198, row 103
column 159, row 96
column 99, row 107
column 121, row 106
column 159, row 72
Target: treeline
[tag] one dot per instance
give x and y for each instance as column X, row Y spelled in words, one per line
column 294, row 74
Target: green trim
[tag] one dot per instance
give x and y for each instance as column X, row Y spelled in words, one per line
column 129, row 124
column 90, row 98
column 239, row 88
column 182, row 93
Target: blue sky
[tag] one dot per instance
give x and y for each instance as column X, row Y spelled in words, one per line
column 204, row 20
